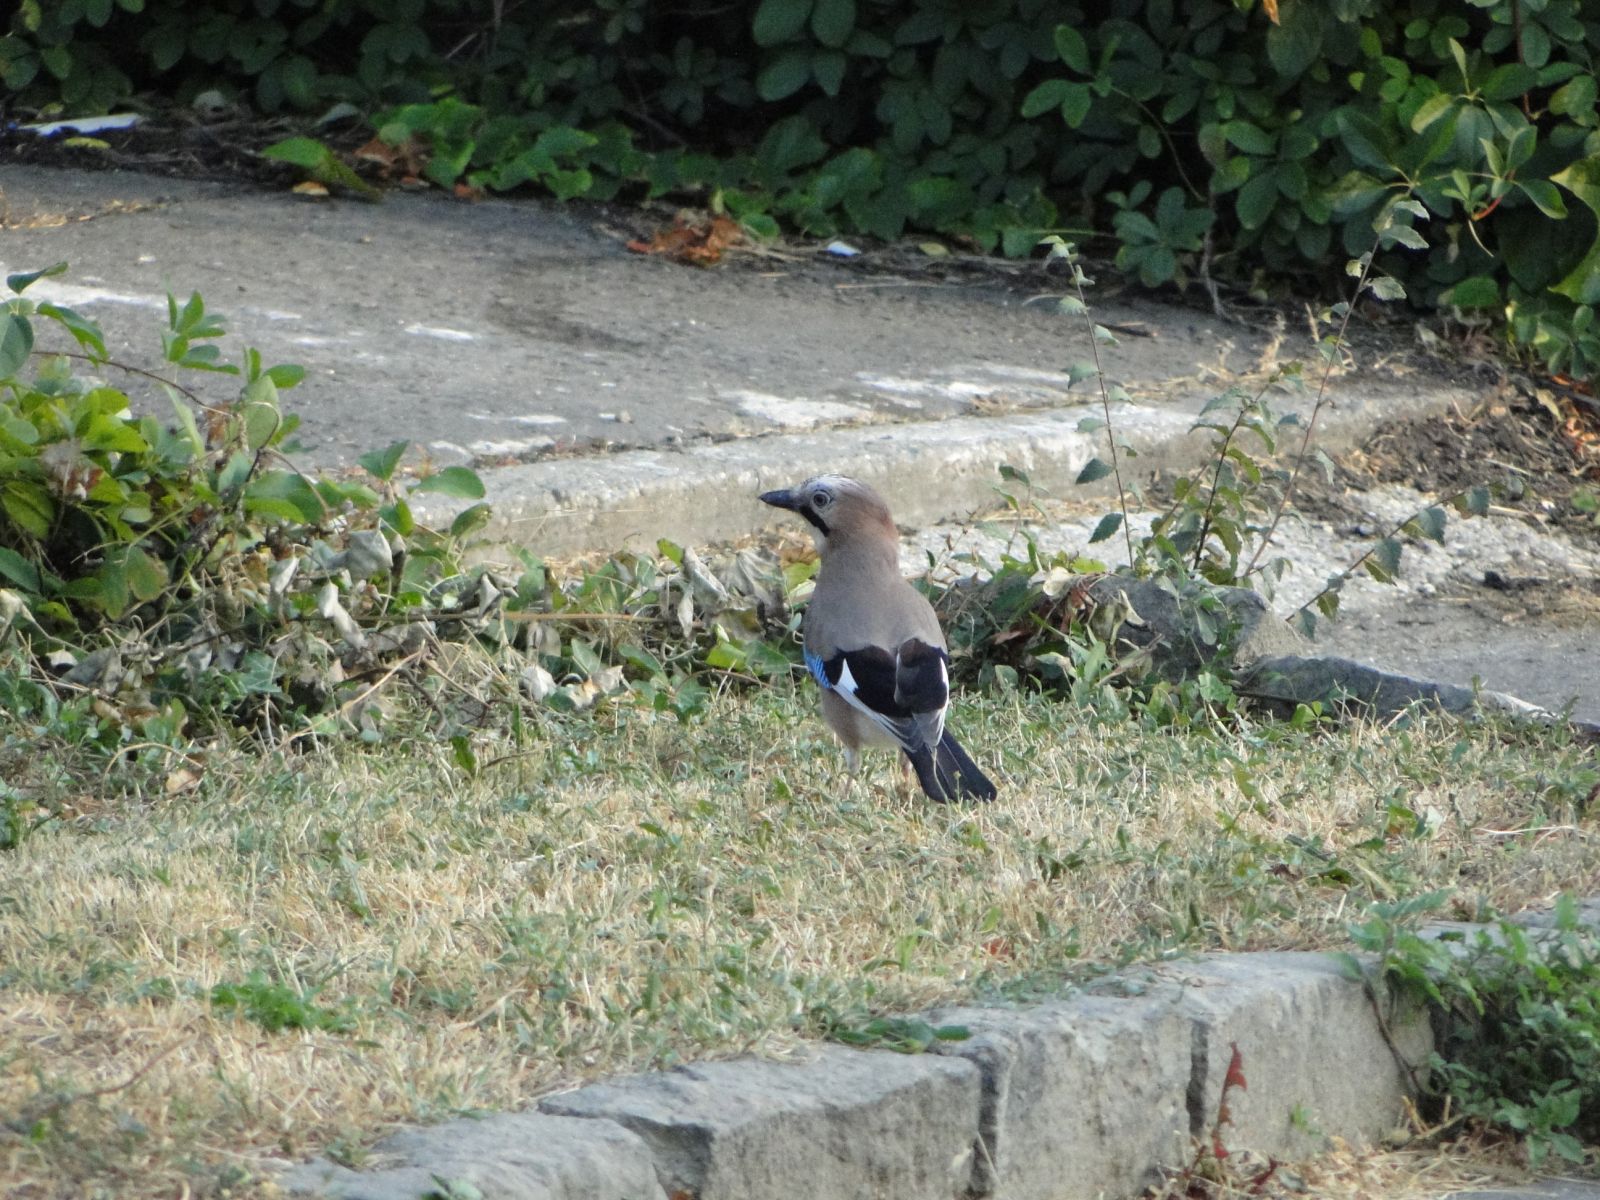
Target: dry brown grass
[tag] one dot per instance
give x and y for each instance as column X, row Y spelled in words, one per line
column 622, row 891
column 1423, row 1168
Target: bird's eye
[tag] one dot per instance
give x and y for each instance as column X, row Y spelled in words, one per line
column 821, row 500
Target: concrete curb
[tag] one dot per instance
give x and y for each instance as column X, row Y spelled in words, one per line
column 933, row 470
column 1091, row 1095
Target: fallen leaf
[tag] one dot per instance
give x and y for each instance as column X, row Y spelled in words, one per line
column 999, row 947
column 311, row 188
column 182, row 780
column 697, row 243
column 405, row 160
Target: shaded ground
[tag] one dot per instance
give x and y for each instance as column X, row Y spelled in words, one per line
column 179, row 142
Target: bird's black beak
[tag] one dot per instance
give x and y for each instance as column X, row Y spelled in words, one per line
column 783, row 498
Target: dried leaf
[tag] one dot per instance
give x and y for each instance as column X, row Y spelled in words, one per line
column 685, row 613
column 331, row 609
column 69, row 470
column 699, row 243
column 311, row 189
column 184, row 779
column 1235, row 1076
column 536, row 683
column 1056, row 581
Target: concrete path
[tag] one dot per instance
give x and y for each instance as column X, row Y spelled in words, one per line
column 504, row 329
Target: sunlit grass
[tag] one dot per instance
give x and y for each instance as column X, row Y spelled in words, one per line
column 402, row 939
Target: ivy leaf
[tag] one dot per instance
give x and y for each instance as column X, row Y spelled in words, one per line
column 832, row 21
column 778, row 21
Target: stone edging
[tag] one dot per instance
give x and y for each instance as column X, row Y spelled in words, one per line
column 1086, row 1096
column 1090, row 1095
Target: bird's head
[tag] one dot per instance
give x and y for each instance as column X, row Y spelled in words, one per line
column 836, row 506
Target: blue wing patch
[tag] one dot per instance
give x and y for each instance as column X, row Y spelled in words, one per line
column 819, row 672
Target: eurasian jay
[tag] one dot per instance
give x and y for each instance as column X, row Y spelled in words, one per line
column 872, row 640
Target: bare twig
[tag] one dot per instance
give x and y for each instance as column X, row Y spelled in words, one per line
column 132, row 370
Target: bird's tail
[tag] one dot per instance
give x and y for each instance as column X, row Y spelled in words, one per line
column 948, row 772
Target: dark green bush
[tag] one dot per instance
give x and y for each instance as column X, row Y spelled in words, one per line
column 1198, row 136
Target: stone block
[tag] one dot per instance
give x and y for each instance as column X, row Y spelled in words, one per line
column 1081, row 1098
column 845, row 1123
column 510, row 1156
column 1313, row 1051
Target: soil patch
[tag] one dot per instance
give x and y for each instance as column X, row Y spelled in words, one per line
column 1537, row 449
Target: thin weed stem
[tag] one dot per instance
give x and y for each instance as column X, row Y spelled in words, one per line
column 1336, row 342
column 1065, row 250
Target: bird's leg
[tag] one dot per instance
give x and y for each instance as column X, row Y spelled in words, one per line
column 907, row 780
column 852, row 767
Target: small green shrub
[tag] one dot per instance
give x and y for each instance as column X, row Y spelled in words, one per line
column 1519, row 1014
column 165, row 582
column 169, row 568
